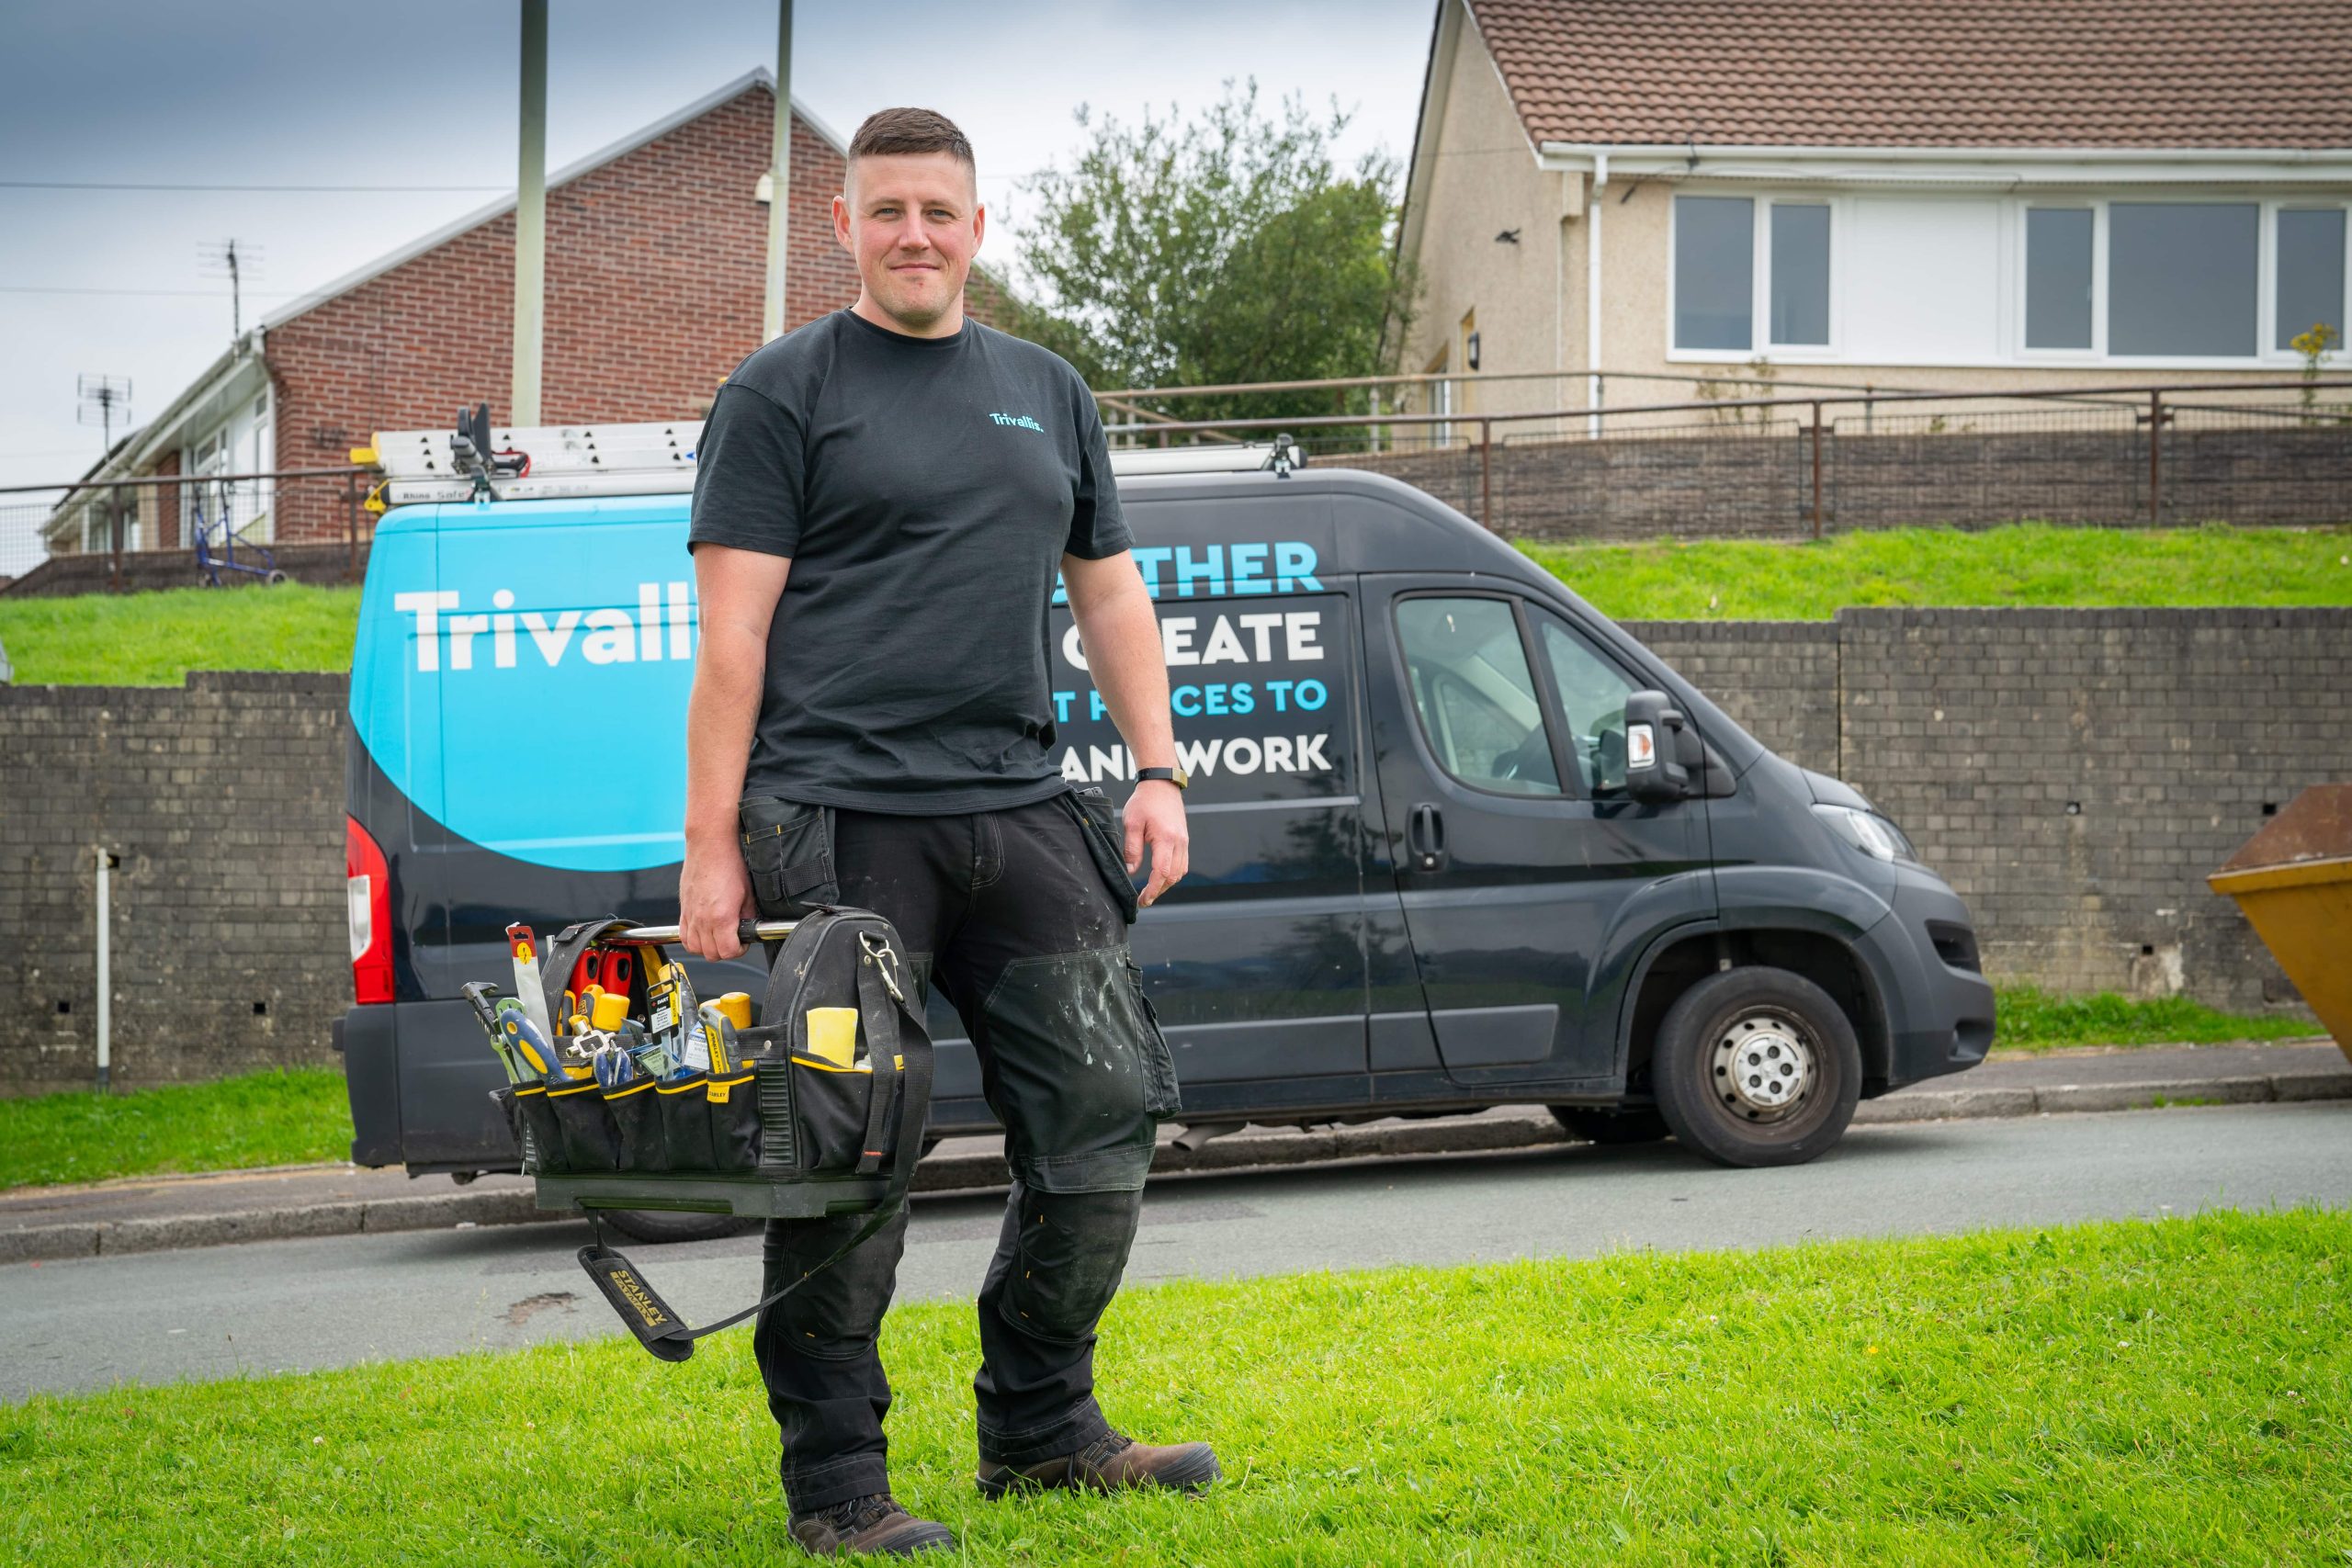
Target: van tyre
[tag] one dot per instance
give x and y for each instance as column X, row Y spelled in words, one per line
column 1638, row 1126
column 1757, row 1066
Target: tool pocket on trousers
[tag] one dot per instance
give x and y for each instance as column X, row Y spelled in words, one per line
column 584, row 1127
column 734, row 1104
column 1158, row 1063
column 1104, row 845
column 542, row 1143
column 637, row 1117
column 685, row 1105
column 788, row 851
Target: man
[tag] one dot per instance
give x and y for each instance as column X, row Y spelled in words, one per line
column 882, row 501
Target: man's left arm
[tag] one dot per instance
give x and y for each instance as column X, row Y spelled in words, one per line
column 1120, row 633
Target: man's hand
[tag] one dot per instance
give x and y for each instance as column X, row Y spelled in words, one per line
column 1156, row 822
column 714, row 897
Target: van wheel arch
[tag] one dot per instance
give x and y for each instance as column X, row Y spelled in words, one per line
column 1691, row 957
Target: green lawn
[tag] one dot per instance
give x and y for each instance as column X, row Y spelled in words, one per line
column 155, row 639
column 2147, row 1393
column 147, row 639
column 296, row 1117
column 2026, row 564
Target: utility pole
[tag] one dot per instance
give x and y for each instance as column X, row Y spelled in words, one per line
column 531, row 217
column 779, row 175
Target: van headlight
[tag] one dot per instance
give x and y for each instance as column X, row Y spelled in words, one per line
column 1869, row 832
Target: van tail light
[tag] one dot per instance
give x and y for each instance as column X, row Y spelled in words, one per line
column 368, row 890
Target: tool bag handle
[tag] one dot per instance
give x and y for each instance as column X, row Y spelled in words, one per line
column 882, row 1004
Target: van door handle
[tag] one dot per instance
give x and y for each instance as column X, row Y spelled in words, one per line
column 1425, row 838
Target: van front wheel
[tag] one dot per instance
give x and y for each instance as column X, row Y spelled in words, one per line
column 1757, row 1066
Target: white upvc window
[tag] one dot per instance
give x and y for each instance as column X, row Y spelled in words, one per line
column 1753, row 273
column 2149, row 276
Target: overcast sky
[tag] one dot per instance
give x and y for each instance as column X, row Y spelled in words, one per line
column 422, row 93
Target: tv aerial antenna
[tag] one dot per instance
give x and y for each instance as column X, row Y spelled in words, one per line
column 102, row 401
column 239, row 261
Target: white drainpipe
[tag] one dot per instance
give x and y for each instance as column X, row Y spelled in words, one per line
column 106, row 972
column 1592, row 293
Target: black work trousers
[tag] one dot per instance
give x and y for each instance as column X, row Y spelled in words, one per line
column 1012, row 916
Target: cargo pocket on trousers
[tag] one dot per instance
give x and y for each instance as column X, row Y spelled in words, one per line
column 789, row 851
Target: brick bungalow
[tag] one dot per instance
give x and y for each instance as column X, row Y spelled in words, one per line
column 656, row 251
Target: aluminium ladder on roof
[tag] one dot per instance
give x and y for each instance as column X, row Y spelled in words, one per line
column 578, row 461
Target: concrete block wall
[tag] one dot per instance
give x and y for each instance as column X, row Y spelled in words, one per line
column 1777, row 678
column 223, row 800
column 2074, row 773
column 2077, row 772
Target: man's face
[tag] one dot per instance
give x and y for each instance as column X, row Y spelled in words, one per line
column 913, row 222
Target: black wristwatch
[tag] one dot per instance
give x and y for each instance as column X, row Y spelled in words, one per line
column 1176, row 776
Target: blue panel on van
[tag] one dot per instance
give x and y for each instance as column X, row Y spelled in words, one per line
column 521, row 674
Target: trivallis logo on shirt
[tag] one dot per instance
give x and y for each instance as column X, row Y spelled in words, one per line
column 1019, row 421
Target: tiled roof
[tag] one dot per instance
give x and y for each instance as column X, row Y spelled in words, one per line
column 2214, row 73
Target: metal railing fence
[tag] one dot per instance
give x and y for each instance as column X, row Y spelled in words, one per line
column 2253, row 453
column 176, row 530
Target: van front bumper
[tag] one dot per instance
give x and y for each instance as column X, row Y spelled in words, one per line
column 1939, row 1004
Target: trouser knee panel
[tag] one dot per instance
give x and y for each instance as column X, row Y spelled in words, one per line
column 1067, row 1261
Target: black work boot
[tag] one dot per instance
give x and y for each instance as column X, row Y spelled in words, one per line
column 1109, row 1463
column 868, row 1524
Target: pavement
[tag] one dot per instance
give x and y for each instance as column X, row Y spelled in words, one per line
column 309, row 1303
column 166, row 1213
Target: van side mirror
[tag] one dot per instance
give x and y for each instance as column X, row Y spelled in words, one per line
column 1661, row 747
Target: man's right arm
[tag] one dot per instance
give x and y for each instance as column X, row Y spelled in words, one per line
column 736, row 592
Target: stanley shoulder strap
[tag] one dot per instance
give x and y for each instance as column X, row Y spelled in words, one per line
column 880, row 1006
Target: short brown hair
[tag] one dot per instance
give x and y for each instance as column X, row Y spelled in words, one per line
column 887, row 131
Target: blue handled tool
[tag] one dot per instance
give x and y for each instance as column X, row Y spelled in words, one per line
column 612, row 1065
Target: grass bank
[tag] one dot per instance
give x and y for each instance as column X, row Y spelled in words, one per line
column 2149, row 1393
column 294, row 1117
column 155, row 639
column 148, row 639
column 2028, row 564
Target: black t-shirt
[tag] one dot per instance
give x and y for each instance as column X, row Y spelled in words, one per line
column 926, row 489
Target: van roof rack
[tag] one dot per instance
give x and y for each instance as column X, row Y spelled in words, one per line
column 481, row 462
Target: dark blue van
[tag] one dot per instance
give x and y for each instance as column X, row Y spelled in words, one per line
column 1458, row 841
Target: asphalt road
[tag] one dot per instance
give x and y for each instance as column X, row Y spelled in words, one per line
column 222, row 1311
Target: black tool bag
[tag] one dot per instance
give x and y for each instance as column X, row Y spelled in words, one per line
column 783, row 1132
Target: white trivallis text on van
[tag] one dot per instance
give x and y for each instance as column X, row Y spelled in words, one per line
column 605, row 636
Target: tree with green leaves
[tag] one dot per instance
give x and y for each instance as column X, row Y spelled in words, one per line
column 1227, row 248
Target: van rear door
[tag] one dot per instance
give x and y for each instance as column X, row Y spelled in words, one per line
column 1530, row 883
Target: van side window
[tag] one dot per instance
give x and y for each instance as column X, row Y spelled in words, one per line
column 1476, row 694
column 1592, row 697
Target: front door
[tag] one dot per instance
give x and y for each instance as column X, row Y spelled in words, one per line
column 1522, row 865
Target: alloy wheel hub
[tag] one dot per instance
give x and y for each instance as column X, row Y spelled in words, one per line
column 1763, row 1067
